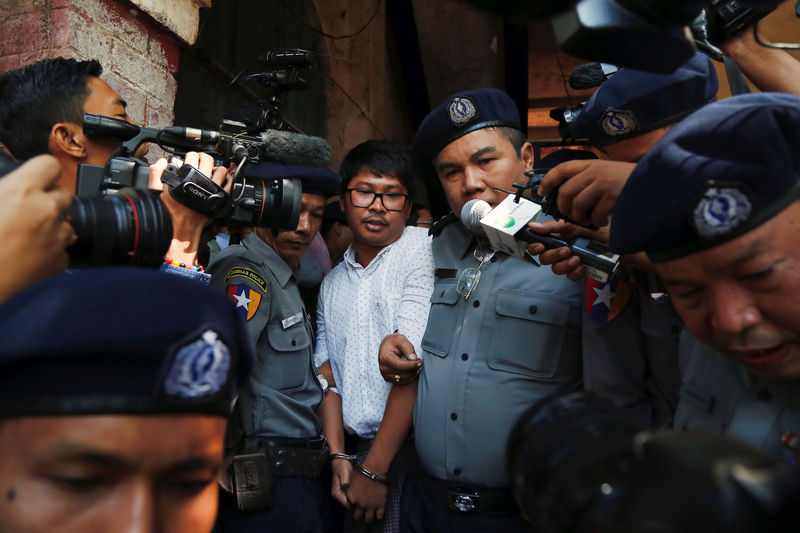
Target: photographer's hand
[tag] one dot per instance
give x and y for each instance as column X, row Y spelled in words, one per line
column 187, row 225
column 32, row 229
column 768, row 68
column 587, row 189
column 562, row 261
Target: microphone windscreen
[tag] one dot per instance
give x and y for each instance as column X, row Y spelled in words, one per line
column 295, row 148
column 587, row 76
column 472, row 213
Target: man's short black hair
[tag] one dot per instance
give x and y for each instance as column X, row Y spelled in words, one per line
column 36, row 96
column 514, row 136
column 382, row 158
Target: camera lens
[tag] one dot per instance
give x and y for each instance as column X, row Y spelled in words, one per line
column 265, row 203
column 130, row 227
column 569, row 456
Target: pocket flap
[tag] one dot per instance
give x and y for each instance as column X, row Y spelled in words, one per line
column 530, row 307
column 445, row 294
column 288, row 340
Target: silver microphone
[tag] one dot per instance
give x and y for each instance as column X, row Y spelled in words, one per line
column 472, row 213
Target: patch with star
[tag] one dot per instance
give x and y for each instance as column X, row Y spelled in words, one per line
column 246, row 299
column 604, row 301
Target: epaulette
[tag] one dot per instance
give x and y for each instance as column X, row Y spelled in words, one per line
column 441, row 223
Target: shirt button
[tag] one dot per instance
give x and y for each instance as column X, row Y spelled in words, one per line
column 676, row 330
column 764, row 396
column 476, row 303
column 453, row 416
column 533, row 309
column 464, row 357
column 294, row 342
column 457, row 471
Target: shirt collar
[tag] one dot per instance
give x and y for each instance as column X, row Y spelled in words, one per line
column 269, row 258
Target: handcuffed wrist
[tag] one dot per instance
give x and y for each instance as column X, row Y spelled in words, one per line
column 368, row 473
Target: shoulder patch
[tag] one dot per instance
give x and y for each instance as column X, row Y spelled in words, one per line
column 199, row 368
column 246, row 299
column 604, row 301
column 248, row 273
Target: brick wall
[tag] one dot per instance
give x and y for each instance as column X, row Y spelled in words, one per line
column 138, row 54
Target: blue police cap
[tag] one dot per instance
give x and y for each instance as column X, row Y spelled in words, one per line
column 633, row 102
column 120, row 341
column 720, row 173
column 315, row 180
column 458, row 115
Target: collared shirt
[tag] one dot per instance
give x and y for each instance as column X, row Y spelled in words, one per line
column 358, row 307
column 488, row 359
column 283, row 393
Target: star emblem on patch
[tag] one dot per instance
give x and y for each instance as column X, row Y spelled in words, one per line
column 604, row 301
column 246, row 299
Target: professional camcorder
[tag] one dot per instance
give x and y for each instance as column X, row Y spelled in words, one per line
column 580, row 465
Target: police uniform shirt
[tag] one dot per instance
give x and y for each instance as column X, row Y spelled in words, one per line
column 632, row 357
column 487, row 359
column 283, row 394
column 719, row 395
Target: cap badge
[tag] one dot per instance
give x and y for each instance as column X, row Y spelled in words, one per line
column 199, row 369
column 461, row 110
column 616, row 122
column 720, row 210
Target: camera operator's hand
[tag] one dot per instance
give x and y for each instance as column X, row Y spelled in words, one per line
column 397, row 362
column 768, row 68
column 187, row 225
column 32, row 229
column 587, row 189
column 562, row 261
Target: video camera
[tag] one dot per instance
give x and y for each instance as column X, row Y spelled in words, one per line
column 578, row 464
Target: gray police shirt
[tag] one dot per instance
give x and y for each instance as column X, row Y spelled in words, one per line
column 515, row 341
column 282, row 394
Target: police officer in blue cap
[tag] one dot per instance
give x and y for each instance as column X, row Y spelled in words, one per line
column 630, row 331
column 115, row 385
column 502, row 331
column 714, row 206
column 277, row 410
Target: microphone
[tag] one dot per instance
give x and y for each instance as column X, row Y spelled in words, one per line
column 591, row 75
column 193, row 133
column 292, row 148
column 499, row 223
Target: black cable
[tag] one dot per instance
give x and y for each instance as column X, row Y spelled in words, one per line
column 327, row 35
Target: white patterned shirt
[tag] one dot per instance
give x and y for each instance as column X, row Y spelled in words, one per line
column 357, row 307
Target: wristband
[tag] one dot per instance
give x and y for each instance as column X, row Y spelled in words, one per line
column 372, row 475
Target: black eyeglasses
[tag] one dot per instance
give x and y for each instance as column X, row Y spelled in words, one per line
column 392, row 201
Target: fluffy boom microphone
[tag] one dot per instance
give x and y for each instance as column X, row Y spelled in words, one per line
column 295, row 148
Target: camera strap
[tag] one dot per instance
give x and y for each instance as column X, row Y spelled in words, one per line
column 195, row 190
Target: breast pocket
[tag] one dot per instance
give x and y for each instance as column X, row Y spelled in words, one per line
column 530, row 334
column 442, row 319
column 287, row 365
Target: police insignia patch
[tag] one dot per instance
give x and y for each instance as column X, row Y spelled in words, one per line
column 720, row 210
column 616, row 122
column 199, row 368
column 604, row 301
column 247, row 273
column 461, row 111
column 246, row 300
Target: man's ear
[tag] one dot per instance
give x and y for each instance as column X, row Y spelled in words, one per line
column 526, row 154
column 67, row 138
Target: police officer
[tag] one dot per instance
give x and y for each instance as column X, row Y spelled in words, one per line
column 115, row 385
column 630, row 330
column 714, row 206
column 277, row 410
column 502, row 331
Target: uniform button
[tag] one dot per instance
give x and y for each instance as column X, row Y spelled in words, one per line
column 457, row 471
column 676, row 330
column 453, row 416
column 294, row 343
column 464, row 357
column 533, row 309
column 764, row 396
column 476, row 303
